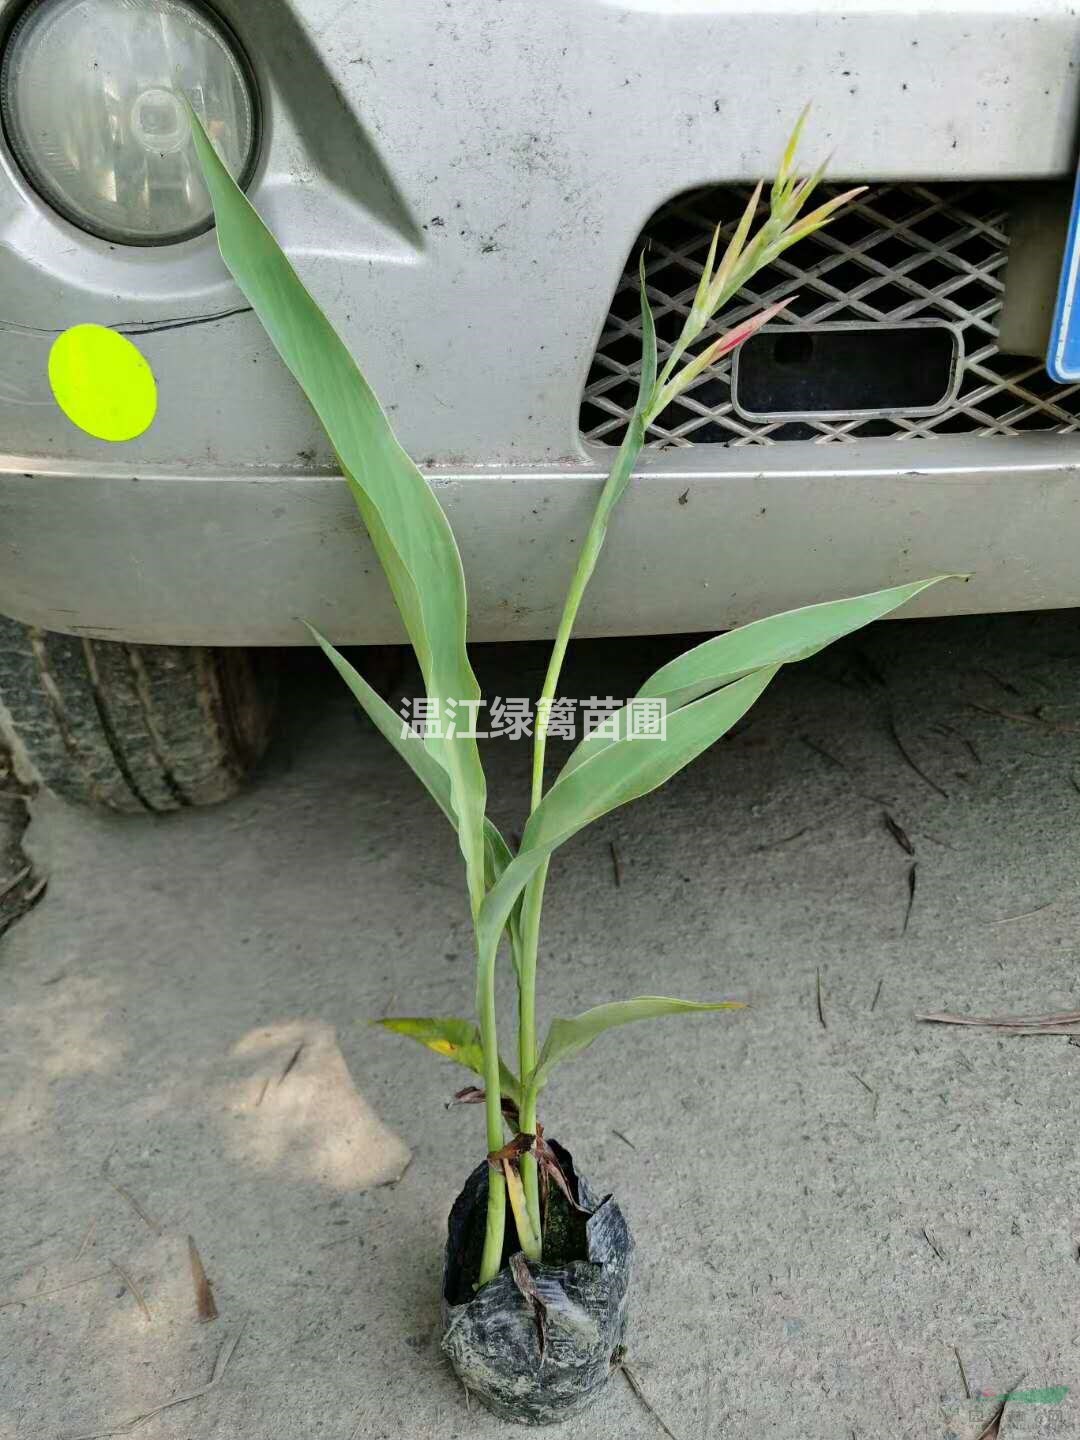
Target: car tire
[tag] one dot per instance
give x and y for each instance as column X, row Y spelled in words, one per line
column 132, row 728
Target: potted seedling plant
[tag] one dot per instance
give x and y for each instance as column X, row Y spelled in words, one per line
column 537, row 1264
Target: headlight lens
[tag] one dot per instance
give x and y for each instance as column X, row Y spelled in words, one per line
column 90, row 92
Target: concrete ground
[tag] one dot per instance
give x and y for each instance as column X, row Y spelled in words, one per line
column 843, row 1220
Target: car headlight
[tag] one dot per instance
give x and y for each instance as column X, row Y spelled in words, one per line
column 91, row 98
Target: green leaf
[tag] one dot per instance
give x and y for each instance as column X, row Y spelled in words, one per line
column 406, row 523
column 647, row 378
column 778, row 640
column 721, row 287
column 423, row 762
column 699, row 310
column 805, row 188
column 785, row 174
column 567, row 1037
column 622, row 469
column 618, row 773
column 816, row 219
column 457, row 1040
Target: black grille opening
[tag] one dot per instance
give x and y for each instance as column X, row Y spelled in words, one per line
column 844, row 371
column 903, row 253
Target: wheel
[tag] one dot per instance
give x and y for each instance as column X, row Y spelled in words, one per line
column 132, row 728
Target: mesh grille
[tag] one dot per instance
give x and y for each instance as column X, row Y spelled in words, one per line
column 900, row 252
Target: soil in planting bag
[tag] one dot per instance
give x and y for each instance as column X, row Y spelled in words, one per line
column 538, row 1343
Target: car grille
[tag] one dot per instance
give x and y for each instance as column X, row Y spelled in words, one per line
column 900, row 253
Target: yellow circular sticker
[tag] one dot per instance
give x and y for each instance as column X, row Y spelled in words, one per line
column 102, row 382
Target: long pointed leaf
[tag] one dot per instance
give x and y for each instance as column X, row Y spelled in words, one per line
column 568, row 1037
column 805, row 188
column 780, row 639
column 785, row 172
column 648, row 343
column 424, row 764
column 699, row 310
column 406, row 523
column 623, row 771
column 720, row 286
column 815, row 220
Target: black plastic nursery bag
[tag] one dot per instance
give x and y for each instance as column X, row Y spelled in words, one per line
column 538, row 1343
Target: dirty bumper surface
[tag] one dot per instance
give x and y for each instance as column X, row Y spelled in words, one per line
column 848, row 1223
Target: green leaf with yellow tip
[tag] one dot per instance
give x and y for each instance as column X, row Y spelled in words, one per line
column 457, row 1040
column 699, row 311
column 785, row 176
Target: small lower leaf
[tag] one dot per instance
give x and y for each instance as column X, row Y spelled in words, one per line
column 457, row 1040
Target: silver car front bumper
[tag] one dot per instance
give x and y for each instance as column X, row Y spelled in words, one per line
column 233, row 558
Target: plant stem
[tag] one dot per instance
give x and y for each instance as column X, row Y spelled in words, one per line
column 616, row 482
column 495, row 1225
column 532, row 902
column 495, row 1232
column 530, row 938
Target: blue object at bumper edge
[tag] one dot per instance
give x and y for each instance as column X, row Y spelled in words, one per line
column 1063, row 356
